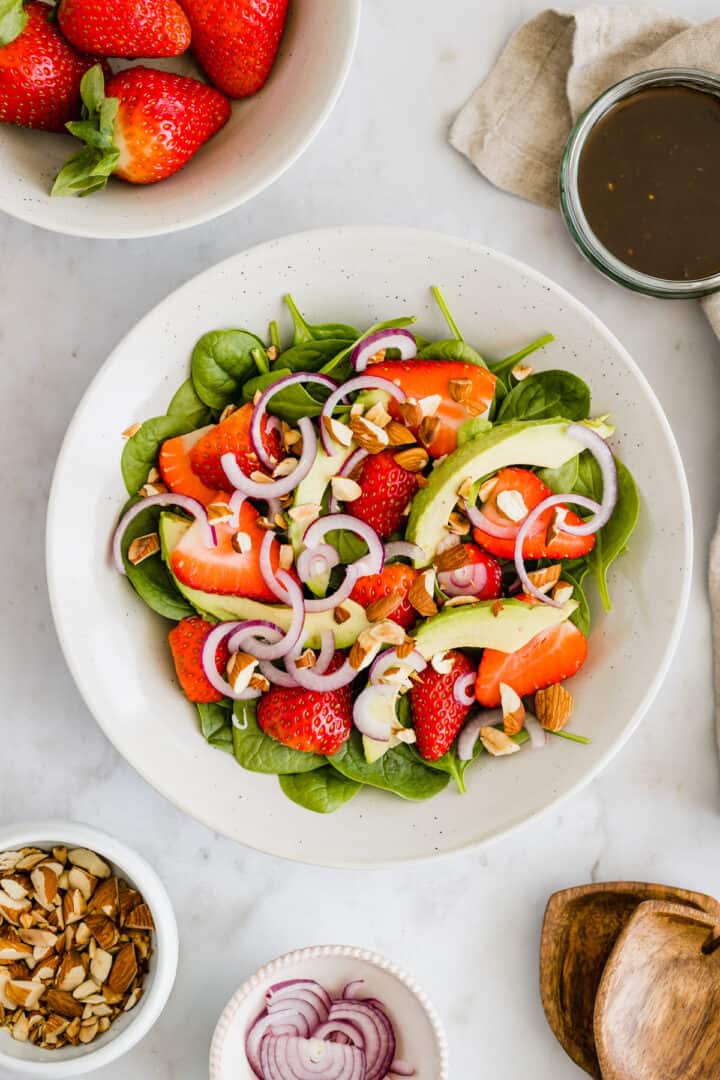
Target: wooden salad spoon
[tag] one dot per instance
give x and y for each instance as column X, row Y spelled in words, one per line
column 657, row 1012
column 580, row 930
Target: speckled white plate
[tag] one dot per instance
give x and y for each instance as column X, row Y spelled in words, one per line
column 116, row 648
column 420, row 1036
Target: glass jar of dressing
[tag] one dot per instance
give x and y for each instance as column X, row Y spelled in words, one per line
column 640, row 183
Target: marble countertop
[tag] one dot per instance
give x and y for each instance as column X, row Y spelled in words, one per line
column 469, row 928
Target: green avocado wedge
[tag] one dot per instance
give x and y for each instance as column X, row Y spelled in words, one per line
column 222, row 608
column 475, row 626
column 541, row 443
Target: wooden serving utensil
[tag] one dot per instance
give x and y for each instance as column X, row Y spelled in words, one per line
column 580, row 930
column 657, row 1012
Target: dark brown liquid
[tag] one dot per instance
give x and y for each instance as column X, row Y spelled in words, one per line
column 649, row 182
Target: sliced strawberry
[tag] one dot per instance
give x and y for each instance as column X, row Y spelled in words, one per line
column 462, row 577
column 387, row 489
column 532, row 490
column 425, row 378
column 186, row 644
column 232, row 436
column 436, row 714
column 222, row 569
column 314, row 721
column 550, row 657
column 394, row 580
column 174, row 464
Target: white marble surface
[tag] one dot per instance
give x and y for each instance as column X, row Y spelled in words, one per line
column 467, row 928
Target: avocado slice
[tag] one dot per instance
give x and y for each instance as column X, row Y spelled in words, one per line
column 223, row 608
column 477, row 626
column 541, row 443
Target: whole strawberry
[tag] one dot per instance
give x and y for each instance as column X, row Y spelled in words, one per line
column 127, row 28
column 394, row 580
column 317, row 722
column 236, row 41
column 39, row 72
column 387, row 489
column 147, row 127
column 436, row 714
column 186, row 644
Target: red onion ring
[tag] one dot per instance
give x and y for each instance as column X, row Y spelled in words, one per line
column 361, row 382
column 464, row 689
column 266, row 570
column 375, row 558
column 470, row 732
column 468, row 580
column 524, row 531
column 291, row 987
column 262, row 403
column 414, row 661
column 280, row 1024
column 403, row 549
column 311, row 680
column 364, row 718
column 279, row 643
column 538, row 736
column 350, row 990
column 399, row 339
column 376, row 1030
column 348, row 466
column 209, row 665
column 166, row 498
column 604, row 457
column 343, row 1028
column 327, row 651
column 277, row 676
column 480, row 521
column 324, row 554
column 274, row 489
column 235, row 503
column 289, row 1057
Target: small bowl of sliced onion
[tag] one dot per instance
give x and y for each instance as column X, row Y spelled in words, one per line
column 330, row 1011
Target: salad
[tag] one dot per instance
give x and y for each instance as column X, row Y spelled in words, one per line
column 375, row 550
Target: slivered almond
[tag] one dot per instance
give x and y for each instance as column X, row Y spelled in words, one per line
column 412, row 460
column 429, row 405
column 259, row 682
column 260, row 477
column 38, row 938
column 428, row 429
column 16, row 888
column 521, row 372
column 357, row 408
column 460, row 389
column 240, row 669
column 405, row 648
column 124, row 969
column 363, row 651
column 386, row 632
column 345, row 489
column 486, row 488
column 11, row 909
column 272, row 353
column 442, row 663
column 305, row 513
column 411, row 412
column 497, row 743
column 341, row 615
column 476, row 408
column 307, row 659
column 219, row 511
column 465, row 491
column 421, row 594
column 241, row 542
column 103, row 930
column 100, row 966
column 378, row 414
column 45, row 883
column 25, row 992
column 452, row 558
column 63, row 1003
column 106, row 898
column 562, row 592
column 460, row 601
column 384, row 606
column 227, row 411
column 142, row 547
column 458, row 524
column 545, row 579
column 497, row 607
column 554, row 707
column 78, row 878
column 398, row 434
column 511, row 505
column 71, row 972
column 285, row 467
column 286, row 556
column 156, row 488
column 90, row 862
column 130, row 431
column 369, row 436
column 279, row 521
column 556, row 523
column 512, row 708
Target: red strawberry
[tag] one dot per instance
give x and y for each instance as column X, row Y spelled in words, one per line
column 462, row 576
column 222, row 569
column 186, row 643
column 232, row 436
column 436, row 714
column 532, row 489
column 550, row 657
column 127, row 28
column 147, row 127
column 449, row 379
column 394, row 580
column 174, row 465
column 317, row 722
column 387, row 489
column 235, row 41
column 39, row 72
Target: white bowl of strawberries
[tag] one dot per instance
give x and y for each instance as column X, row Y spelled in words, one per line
column 213, row 99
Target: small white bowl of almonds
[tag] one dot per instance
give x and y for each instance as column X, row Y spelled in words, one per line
column 88, row 948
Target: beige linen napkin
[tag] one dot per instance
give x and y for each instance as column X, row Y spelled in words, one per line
column 515, row 125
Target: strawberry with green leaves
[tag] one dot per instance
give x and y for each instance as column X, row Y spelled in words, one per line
column 128, row 28
column 236, row 41
column 145, row 127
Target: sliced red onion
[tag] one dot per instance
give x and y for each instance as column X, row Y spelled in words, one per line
column 347, row 1032
column 277, row 676
column 374, row 698
column 480, row 521
column 470, row 732
column 274, row 489
column 348, row 466
column 414, row 662
column 402, row 1068
column 604, row 457
column 249, row 636
column 403, row 549
column 166, row 498
column 324, row 603
column 468, row 580
column 399, row 339
column 524, row 532
column 290, row 987
column 351, row 990
column 327, row 651
column 268, row 393
column 209, row 664
column 311, row 680
column 316, row 562
column 376, row 1030
column 538, row 736
column 372, row 562
column 235, row 503
column 464, row 689
column 269, row 578
column 281, row 1024
column 288, row 1057
column 361, row 382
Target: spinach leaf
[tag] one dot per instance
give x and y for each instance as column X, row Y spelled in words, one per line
column 611, row 540
column 151, row 579
column 545, row 395
column 340, row 367
column 188, row 407
column 348, row 545
column 323, row 790
column 214, row 716
column 313, row 355
column 451, row 349
column 503, row 368
column 589, row 477
column 472, row 428
column 445, row 311
column 141, row 450
column 562, row 479
column 449, row 763
column 293, row 402
column 399, row 770
column 258, row 752
column 581, row 615
column 304, row 331
column 221, row 361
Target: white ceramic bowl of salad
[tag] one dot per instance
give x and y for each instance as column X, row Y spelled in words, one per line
column 500, row 305
column 332, row 984
column 264, row 136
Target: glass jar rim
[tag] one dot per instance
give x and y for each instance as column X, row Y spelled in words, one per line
column 575, row 219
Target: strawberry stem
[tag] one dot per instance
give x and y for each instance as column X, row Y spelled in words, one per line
column 89, row 169
column 442, row 304
column 13, row 20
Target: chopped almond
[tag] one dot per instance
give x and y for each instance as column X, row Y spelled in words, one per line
column 554, row 707
column 512, row 708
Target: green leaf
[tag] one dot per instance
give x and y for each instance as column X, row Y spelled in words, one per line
column 13, row 20
column 258, row 752
column 323, row 790
column 452, row 349
column 304, row 331
column 589, row 480
column 89, row 169
column 348, row 545
column 222, row 740
column 85, row 172
column 151, row 579
column 562, row 479
column 340, row 367
column 545, row 395
column 313, row 355
column 214, row 716
column 221, row 362
column 291, row 403
column 398, row 770
column 187, row 407
column 449, row 763
column 472, row 428
column 503, row 368
column 581, row 615
column 612, row 539
column 141, row 450
column 442, row 304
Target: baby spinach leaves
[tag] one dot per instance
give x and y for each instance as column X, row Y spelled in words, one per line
column 545, row 395
column 216, row 724
column 305, row 331
column 399, row 770
column 151, row 579
column 612, row 539
column 187, row 407
column 451, row 349
column 313, row 355
column 562, row 479
column 290, row 403
column 258, row 752
column 141, row 450
column 503, row 368
column 221, row 361
column 323, row 790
